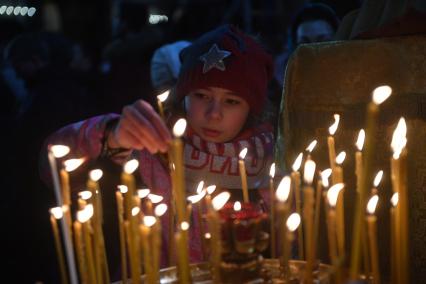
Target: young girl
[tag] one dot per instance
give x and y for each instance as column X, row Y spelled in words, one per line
column 222, row 90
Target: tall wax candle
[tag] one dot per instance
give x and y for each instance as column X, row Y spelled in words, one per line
column 83, row 216
column 295, row 177
column 337, row 176
column 121, row 231
column 160, row 100
column 243, row 175
column 308, row 218
column 372, row 237
column 330, row 141
column 272, row 210
column 282, row 193
column 380, row 94
column 56, row 214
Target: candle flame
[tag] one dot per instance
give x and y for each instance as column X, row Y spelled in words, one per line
column 381, row 93
column 72, row 164
column 341, row 158
column 243, row 153
column 197, row 197
column 333, row 128
column 360, row 141
column 144, row 192
column 207, row 235
column 96, row 174
column 395, row 199
column 149, row 221
column 297, row 163
column 333, row 193
column 122, row 188
column 378, row 178
column 57, row 212
column 272, row 170
column 163, row 97
column 399, row 139
column 325, row 174
column 131, row 166
column 184, row 226
column 135, row 210
column 85, row 214
column 200, row 187
column 311, row 146
column 160, row 209
column 220, row 200
column 283, row 189
column 309, row 171
column 155, row 198
column 179, row 127
column 372, row 203
column 85, row 194
column 211, row 188
column 293, row 222
column 237, row 206
column 59, row 151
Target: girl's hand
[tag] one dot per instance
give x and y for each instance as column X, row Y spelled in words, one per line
column 140, row 127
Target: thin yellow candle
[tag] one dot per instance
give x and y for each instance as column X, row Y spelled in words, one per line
column 376, row 182
column 56, row 214
column 195, row 202
column 78, row 240
column 272, row 211
column 282, row 193
column 160, row 100
column 181, row 238
column 216, row 241
column 399, row 164
column 54, row 152
column 337, row 176
column 380, row 94
column 358, row 158
column 83, row 216
column 330, row 141
column 292, row 223
column 141, row 195
column 372, row 238
column 153, row 199
column 147, row 245
column 243, row 175
column 394, row 238
column 99, row 248
column 295, row 177
column 323, row 182
column 120, row 213
column 308, row 218
column 332, row 196
column 159, row 211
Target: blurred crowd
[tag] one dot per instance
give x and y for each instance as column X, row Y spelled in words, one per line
column 76, row 59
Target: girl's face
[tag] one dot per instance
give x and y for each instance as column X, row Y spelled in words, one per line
column 216, row 114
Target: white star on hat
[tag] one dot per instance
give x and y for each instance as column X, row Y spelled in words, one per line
column 214, row 58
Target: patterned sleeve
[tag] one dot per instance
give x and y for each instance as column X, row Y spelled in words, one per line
column 85, row 139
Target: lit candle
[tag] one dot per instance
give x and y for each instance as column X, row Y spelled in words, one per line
column 332, row 196
column 195, row 201
column 358, row 158
column 83, row 216
column 56, row 214
column 376, row 182
column 308, row 217
column 159, row 211
column 292, row 223
column 282, row 193
column 272, row 211
column 120, row 212
column 181, row 238
column 160, row 100
column 295, row 177
column 147, row 242
column 380, row 94
column 330, row 141
column 372, row 237
column 142, row 194
column 215, row 230
column 310, row 148
column 59, row 151
column 337, row 177
column 323, row 182
column 99, row 247
column 399, row 172
column 243, row 174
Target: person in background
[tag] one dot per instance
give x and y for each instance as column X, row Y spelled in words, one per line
column 222, row 92
column 315, row 22
column 165, row 65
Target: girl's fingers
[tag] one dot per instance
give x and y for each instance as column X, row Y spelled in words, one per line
column 158, row 123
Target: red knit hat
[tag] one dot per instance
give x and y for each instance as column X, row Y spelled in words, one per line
column 229, row 59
